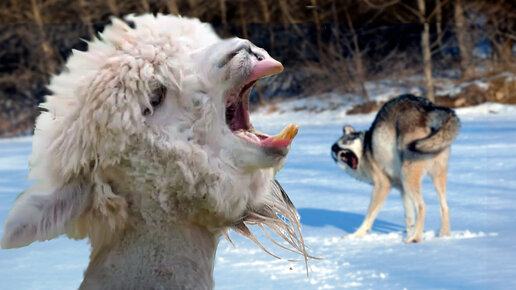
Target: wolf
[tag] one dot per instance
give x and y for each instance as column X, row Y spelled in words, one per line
column 410, row 137
column 145, row 147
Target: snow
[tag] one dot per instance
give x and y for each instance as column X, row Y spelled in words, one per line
column 479, row 254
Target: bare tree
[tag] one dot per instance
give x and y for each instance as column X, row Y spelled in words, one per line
column 463, row 41
column 336, row 32
column 500, row 30
column 47, row 48
column 425, row 47
column 172, row 7
column 85, row 16
column 317, row 24
column 145, row 5
column 243, row 21
column 439, row 22
column 113, row 7
column 267, row 20
column 223, row 11
column 357, row 58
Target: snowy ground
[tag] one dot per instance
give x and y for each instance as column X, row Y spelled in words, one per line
column 480, row 254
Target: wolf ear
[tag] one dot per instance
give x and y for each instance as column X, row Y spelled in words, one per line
column 38, row 215
column 347, row 129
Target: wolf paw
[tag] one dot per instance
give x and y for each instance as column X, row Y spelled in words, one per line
column 444, row 233
column 355, row 235
column 414, row 239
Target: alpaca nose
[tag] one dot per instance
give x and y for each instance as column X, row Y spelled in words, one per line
column 265, row 67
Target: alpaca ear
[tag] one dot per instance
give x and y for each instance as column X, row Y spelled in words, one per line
column 347, row 129
column 40, row 214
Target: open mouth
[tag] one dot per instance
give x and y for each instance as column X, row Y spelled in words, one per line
column 349, row 158
column 237, row 110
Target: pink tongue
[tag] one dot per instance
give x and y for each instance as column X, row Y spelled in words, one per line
column 271, row 142
column 265, row 68
column 249, row 137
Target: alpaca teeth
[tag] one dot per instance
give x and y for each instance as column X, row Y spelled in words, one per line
column 283, row 138
column 288, row 132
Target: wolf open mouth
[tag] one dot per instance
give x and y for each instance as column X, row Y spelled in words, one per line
column 349, row 158
column 237, row 110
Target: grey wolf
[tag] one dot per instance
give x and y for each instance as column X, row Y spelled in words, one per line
column 410, row 137
column 146, row 148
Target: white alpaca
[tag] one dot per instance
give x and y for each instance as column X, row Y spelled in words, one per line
column 146, row 149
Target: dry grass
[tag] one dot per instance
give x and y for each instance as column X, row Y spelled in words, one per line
column 331, row 45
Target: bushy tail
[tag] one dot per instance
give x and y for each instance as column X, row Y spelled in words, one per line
column 445, row 126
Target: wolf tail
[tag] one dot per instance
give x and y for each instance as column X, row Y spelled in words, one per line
column 444, row 125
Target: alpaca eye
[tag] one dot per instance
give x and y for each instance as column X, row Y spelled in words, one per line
column 157, row 96
column 227, row 59
column 156, row 99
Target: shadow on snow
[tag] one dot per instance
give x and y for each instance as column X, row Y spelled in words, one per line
column 346, row 221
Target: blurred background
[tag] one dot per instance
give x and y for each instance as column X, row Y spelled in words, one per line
column 342, row 48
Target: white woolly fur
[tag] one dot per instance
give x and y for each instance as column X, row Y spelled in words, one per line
column 152, row 193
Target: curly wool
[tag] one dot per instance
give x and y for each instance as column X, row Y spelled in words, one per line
column 102, row 169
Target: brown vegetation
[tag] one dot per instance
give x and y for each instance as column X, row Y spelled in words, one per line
column 333, row 45
column 500, row 90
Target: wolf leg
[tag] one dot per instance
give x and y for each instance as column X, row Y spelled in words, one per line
column 412, row 175
column 439, row 177
column 408, row 204
column 382, row 187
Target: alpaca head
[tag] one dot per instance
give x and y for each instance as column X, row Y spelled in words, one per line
column 151, row 125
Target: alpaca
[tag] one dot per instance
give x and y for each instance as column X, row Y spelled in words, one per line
column 145, row 147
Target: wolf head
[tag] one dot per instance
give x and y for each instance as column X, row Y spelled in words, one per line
column 347, row 152
column 150, row 123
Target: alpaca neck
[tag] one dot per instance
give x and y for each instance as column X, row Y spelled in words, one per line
column 172, row 257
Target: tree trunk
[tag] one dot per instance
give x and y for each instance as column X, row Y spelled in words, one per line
column 317, row 25
column 357, row 58
column 51, row 59
column 145, row 6
column 438, row 23
column 336, row 29
column 194, row 10
column 507, row 51
column 86, row 18
column 113, row 8
column 425, row 47
column 223, row 13
column 267, row 20
column 464, row 42
column 172, row 7
column 243, row 21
